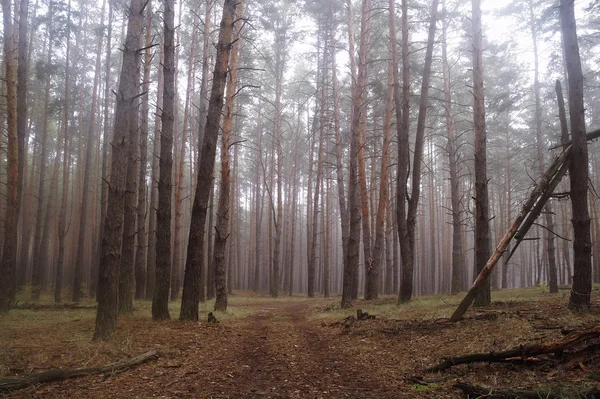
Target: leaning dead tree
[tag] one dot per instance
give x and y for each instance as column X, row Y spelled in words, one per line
column 529, row 213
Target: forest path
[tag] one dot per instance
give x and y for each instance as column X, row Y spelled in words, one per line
column 277, row 351
column 285, row 354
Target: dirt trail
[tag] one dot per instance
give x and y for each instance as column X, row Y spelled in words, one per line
column 276, row 352
column 287, row 355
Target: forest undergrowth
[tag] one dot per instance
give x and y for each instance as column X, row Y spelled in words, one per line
column 296, row 347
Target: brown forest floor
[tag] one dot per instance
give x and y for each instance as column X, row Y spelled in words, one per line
column 288, row 348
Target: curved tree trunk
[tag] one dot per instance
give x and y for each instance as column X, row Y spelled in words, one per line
column 191, row 289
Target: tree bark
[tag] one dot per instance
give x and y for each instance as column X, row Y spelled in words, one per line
column 350, row 278
column 9, row 250
column 481, row 213
column 190, row 298
column 578, row 168
column 151, row 268
column 62, row 216
column 160, row 299
column 83, row 216
column 221, row 229
column 125, row 111
column 548, row 219
column 407, row 221
column 142, row 233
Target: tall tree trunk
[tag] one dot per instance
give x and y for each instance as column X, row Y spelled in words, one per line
column 83, row 215
column 481, row 213
column 548, row 219
column 160, row 299
column 407, row 221
column 142, row 234
column 190, row 298
column 22, row 134
column 62, row 216
column 221, row 229
column 350, row 282
column 372, row 275
column 457, row 256
column 9, row 250
column 38, row 248
column 104, row 184
column 578, row 168
column 339, row 160
column 318, row 177
column 125, row 120
column 178, row 255
column 151, row 268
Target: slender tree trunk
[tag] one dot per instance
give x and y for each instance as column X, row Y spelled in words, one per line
column 457, row 256
column 221, row 229
column 407, row 221
column 350, row 283
column 22, row 135
column 151, row 268
column 339, row 165
column 83, row 216
column 125, row 117
column 142, row 234
column 190, row 298
column 578, row 168
column 105, row 160
column 160, row 300
column 481, row 212
column 9, row 250
column 37, row 271
column 372, row 275
column 62, row 217
column 548, row 219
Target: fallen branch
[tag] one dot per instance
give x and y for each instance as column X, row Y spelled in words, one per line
column 63, row 306
column 474, row 391
column 13, row 384
column 521, row 352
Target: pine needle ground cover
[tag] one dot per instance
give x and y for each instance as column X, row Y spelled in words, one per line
column 296, row 348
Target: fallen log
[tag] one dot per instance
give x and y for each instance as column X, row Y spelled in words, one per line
column 520, row 352
column 13, row 384
column 63, row 306
column 474, row 391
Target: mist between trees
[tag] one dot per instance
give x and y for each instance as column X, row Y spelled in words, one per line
column 153, row 150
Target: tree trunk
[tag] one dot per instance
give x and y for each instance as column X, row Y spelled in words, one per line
column 548, row 219
column 151, row 268
column 104, row 184
column 350, row 279
column 125, row 113
column 221, row 229
column 62, row 217
column 22, row 135
column 37, row 271
column 457, row 256
column 160, row 299
column 9, row 250
column 578, row 168
column 142, row 234
column 407, row 221
column 481, row 213
column 190, row 298
column 372, row 275
column 86, row 186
